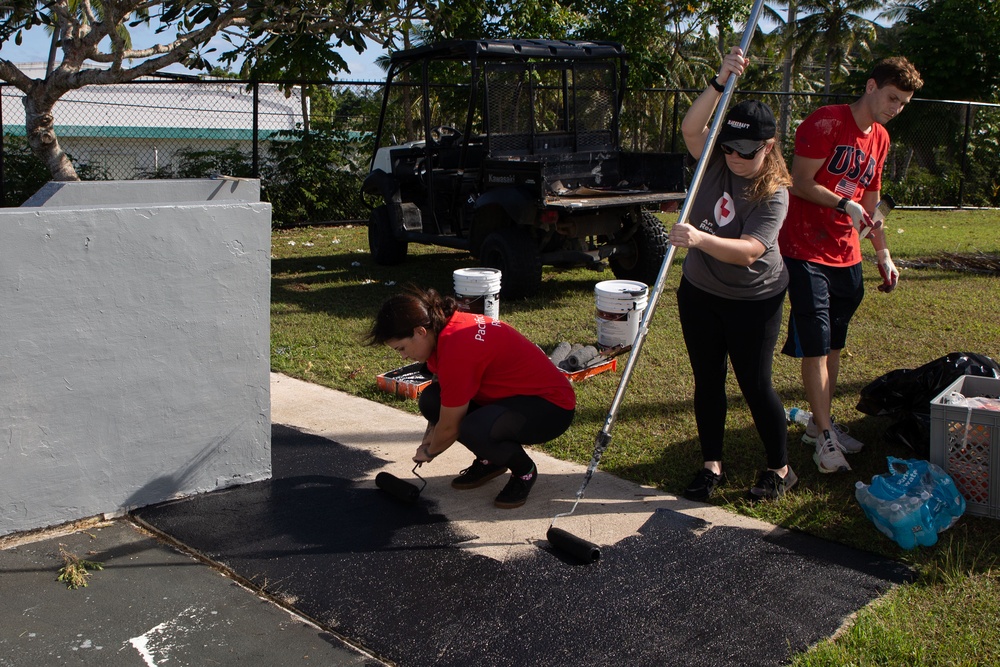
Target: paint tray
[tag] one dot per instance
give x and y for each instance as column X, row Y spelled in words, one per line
column 407, row 381
column 591, row 371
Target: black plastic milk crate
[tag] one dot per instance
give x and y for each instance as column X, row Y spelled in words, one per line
column 966, row 443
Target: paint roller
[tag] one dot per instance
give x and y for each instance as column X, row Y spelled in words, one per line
column 400, row 489
column 560, row 353
column 561, row 540
column 579, row 359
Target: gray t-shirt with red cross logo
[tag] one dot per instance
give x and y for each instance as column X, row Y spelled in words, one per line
column 720, row 208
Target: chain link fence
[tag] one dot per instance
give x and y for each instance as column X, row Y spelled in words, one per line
column 312, row 156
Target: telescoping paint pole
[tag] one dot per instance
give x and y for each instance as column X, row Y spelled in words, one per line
column 560, row 539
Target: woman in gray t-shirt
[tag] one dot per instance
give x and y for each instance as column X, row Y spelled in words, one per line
column 732, row 292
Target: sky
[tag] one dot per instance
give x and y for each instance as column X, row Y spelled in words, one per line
column 35, row 49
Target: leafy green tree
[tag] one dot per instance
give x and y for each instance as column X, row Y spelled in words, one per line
column 258, row 31
column 950, row 149
column 655, row 35
column 834, row 30
column 724, row 13
column 956, row 46
column 516, row 19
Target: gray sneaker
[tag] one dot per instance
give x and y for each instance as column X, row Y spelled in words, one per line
column 847, row 444
column 828, row 456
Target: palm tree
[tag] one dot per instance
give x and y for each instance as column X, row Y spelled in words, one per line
column 900, row 10
column 835, row 28
column 786, row 31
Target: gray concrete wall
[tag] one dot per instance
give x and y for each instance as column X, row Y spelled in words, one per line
column 134, row 356
column 91, row 193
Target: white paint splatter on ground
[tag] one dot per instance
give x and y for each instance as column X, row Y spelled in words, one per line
column 156, row 644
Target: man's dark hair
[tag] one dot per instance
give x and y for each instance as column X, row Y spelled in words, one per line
column 899, row 72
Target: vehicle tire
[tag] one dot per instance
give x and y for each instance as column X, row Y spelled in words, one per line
column 647, row 247
column 515, row 253
column 385, row 248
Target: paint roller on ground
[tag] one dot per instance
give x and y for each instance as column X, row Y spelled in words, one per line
column 399, row 489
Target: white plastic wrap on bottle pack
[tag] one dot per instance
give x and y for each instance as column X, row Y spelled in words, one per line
column 620, row 305
column 913, row 503
column 477, row 290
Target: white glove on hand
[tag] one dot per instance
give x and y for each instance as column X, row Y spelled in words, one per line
column 860, row 218
column 890, row 274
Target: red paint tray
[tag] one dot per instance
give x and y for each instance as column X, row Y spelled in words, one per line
column 407, row 381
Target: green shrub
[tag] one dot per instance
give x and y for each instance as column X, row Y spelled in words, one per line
column 315, row 176
column 205, row 164
column 23, row 173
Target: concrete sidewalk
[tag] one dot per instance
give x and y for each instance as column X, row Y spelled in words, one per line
column 612, row 509
column 150, row 605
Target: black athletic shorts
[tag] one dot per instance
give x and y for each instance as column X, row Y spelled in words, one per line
column 823, row 300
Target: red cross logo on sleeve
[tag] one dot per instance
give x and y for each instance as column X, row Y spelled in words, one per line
column 725, row 210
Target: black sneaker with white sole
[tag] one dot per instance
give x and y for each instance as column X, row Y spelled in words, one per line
column 516, row 492
column 477, row 474
column 771, row 486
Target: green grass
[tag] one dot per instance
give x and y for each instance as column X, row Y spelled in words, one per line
column 326, row 288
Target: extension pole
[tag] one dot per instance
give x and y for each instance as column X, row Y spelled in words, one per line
column 559, row 538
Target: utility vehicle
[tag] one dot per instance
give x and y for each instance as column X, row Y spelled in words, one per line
column 510, row 149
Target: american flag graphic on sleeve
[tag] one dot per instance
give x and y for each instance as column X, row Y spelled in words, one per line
column 846, row 188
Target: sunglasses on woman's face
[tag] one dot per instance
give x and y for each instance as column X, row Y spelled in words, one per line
column 729, row 150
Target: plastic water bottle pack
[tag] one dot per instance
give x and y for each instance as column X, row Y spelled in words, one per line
column 911, row 504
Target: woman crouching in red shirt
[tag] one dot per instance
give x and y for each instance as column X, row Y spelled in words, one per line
column 494, row 390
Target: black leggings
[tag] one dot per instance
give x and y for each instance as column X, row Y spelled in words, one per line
column 746, row 332
column 495, row 432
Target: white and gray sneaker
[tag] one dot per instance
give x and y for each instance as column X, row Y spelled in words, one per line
column 828, row 456
column 847, row 443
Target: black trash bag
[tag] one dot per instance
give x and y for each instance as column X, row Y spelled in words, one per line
column 914, row 431
column 907, row 394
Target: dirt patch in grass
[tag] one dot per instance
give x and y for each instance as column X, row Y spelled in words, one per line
column 980, row 262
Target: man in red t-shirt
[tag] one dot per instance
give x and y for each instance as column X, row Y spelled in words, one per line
column 837, row 176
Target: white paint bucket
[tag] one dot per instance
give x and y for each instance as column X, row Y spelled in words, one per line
column 477, row 290
column 620, row 304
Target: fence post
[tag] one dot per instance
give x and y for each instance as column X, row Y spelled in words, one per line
column 965, row 155
column 256, row 128
column 3, row 183
column 673, row 128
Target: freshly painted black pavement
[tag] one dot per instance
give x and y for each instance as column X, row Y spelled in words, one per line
column 389, row 577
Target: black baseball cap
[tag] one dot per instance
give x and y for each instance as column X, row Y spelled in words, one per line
column 747, row 124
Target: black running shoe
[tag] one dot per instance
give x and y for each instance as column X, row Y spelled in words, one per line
column 703, row 485
column 516, row 492
column 771, row 486
column 477, row 474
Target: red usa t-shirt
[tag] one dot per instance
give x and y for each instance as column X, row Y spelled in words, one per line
column 482, row 360
column 853, row 165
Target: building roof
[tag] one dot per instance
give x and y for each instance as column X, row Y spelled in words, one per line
column 161, row 108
